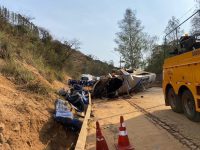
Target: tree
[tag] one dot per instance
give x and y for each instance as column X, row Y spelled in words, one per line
column 131, row 39
column 45, row 35
column 73, row 44
column 196, row 19
column 150, row 51
column 156, row 59
column 111, row 63
column 171, row 39
column 156, row 56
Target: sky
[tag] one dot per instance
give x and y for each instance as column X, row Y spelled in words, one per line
column 95, row 22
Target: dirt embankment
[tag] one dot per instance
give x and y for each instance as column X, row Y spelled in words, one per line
column 26, row 118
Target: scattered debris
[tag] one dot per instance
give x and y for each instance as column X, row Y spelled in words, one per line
column 87, row 77
column 64, row 116
column 81, row 82
column 77, row 97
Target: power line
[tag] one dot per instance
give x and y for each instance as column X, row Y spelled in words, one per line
column 182, row 23
column 187, row 12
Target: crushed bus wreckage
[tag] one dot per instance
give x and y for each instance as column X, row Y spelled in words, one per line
column 122, row 82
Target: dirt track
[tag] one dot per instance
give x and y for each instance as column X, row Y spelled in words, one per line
column 150, row 124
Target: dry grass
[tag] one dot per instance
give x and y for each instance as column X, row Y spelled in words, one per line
column 37, row 87
column 20, row 74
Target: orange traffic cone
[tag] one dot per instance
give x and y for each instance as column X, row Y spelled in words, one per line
column 100, row 140
column 123, row 141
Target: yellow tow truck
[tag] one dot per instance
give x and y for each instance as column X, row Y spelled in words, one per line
column 181, row 77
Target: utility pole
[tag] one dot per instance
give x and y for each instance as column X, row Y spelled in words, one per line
column 120, row 59
column 198, row 1
column 120, row 62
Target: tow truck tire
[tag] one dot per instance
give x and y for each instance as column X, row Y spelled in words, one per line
column 174, row 101
column 189, row 106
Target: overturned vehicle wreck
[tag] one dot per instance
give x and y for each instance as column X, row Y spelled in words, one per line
column 106, row 87
column 122, row 82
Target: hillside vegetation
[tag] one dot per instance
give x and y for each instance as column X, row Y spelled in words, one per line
column 33, row 66
column 22, row 41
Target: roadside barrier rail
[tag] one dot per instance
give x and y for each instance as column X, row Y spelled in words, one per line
column 80, row 144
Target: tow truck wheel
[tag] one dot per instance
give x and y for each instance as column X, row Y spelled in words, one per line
column 174, row 101
column 189, row 106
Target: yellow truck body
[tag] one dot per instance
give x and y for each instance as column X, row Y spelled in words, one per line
column 182, row 73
